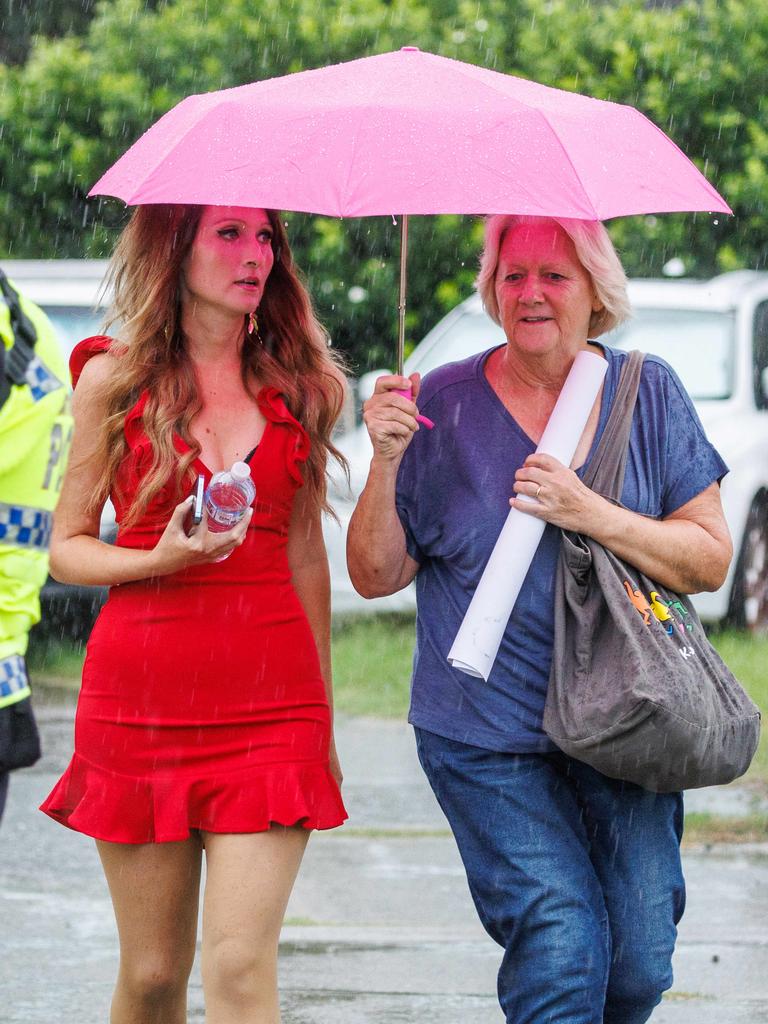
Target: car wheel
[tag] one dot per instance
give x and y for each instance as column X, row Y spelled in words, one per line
column 749, row 596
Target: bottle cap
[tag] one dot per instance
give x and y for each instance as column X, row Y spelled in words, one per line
column 240, row 470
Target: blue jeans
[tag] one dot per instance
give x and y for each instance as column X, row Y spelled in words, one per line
column 577, row 876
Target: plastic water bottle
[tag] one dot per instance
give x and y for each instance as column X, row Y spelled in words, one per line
column 228, row 497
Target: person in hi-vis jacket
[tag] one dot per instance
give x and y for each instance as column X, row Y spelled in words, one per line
column 35, row 433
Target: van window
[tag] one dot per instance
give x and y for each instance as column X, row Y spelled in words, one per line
column 471, row 333
column 760, row 354
column 73, row 323
column 697, row 344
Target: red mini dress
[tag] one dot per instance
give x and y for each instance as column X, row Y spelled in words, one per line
column 202, row 703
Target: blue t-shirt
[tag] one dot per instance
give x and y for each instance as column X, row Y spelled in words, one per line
column 453, row 492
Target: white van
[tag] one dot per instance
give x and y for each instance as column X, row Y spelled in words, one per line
column 69, row 291
column 715, row 335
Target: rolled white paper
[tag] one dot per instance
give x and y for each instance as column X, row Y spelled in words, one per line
column 477, row 643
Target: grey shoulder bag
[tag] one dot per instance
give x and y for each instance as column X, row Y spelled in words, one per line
column 636, row 690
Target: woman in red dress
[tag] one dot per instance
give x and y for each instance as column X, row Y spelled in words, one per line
column 204, row 722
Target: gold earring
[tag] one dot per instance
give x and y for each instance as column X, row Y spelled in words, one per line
column 253, row 322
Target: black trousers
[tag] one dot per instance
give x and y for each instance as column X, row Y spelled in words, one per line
column 3, row 791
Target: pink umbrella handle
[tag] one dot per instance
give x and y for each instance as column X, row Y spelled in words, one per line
column 424, row 420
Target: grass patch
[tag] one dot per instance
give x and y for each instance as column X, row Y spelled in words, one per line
column 372, row 664
column 686, row 997
column 703, row 828
column 372, row 669
column 55, row 662
column 747, row 658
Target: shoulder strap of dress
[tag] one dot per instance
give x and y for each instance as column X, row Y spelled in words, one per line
column 85, row 350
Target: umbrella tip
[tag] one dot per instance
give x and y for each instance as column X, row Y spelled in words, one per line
column 409, row 49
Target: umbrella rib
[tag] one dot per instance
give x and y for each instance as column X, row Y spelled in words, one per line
column 157, row 163
column 496, row 90
column 355, row 136
column 552, row 132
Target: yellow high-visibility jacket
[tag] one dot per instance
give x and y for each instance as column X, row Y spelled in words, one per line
column 35, row 434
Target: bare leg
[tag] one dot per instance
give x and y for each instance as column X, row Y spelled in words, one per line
column 248, row 881
column 155, row 892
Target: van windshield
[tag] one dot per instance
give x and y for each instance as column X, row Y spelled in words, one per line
column 73, row 323
column 697, row 344
column 472, row 333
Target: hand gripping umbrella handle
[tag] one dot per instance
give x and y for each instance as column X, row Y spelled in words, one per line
column 424, row 420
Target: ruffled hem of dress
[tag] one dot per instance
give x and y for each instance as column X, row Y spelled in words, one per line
column 165, row 809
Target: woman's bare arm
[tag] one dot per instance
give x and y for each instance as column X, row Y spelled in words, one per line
column 378, row 561
column 77, row 554
column 689, row 550
column 308, row 562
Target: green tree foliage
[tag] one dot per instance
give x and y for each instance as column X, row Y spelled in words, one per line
column 22, row 20
column 698, row 69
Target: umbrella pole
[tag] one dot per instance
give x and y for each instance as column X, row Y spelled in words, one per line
column 403, row 288
column 407, row 393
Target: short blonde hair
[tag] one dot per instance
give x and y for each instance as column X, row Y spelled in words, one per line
column 594, row 250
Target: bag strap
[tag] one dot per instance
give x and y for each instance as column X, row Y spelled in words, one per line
column 605, row 472
column 14, row 362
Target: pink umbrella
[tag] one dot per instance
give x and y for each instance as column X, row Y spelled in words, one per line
column 409, row 132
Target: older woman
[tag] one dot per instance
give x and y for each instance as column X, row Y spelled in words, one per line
column 576, row 875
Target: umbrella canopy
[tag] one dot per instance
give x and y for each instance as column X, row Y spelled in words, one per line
column 409, row 132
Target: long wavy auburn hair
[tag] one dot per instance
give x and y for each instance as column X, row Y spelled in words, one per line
column 290, row 354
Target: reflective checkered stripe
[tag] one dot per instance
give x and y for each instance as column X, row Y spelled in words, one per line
column 23, row 527
column 40, row 379
column 14, row 683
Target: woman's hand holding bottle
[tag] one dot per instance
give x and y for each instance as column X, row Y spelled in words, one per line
column 177, row 549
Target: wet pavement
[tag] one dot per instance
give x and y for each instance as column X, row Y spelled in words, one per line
column 380, row 927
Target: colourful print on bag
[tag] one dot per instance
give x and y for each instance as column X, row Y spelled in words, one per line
column 639, row 600
column 660, row 609
column 665, row 612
